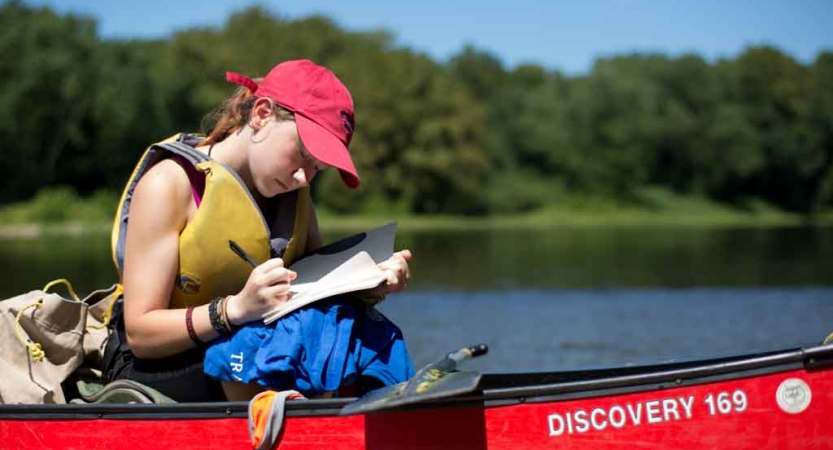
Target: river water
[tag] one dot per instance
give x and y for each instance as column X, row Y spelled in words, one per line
column 562, row 298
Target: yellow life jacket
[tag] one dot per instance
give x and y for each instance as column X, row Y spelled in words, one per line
column 207, row 266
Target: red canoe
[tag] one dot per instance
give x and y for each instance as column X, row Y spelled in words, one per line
column 776, row 400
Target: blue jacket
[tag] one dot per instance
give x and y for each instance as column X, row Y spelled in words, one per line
column 315, row 349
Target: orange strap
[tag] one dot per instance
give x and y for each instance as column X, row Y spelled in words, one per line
column 266, row 417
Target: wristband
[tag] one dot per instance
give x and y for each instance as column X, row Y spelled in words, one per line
column 189, row 325
column 214, row 316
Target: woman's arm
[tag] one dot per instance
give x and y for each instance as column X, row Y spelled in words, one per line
column 161, row 204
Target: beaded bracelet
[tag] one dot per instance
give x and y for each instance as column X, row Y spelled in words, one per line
column 189, row 325
column 214, row 315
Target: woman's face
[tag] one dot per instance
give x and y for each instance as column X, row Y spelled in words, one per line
column 278, row 160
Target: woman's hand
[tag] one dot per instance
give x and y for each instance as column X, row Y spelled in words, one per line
column 267, row 286
column 398, row 273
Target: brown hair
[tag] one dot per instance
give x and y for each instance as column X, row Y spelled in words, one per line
column 233, row 114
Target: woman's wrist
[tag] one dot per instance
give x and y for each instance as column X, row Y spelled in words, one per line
column 235, row 314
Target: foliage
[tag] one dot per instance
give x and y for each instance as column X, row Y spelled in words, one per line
column 469, row 136
column 61, row 204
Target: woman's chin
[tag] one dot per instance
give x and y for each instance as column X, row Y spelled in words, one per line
column 274, row 189
column 272, row 193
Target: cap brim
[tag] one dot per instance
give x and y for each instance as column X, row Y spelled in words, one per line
column 328, row 149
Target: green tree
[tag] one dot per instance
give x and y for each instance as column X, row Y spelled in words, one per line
column 530, row 141
column 480, row 72
column 466, row 137
column 773, row 89
column 819, row 123
column 47, row 73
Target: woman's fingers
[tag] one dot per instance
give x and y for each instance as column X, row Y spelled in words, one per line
column 280, row 275
column 273, row 272
column 406, row 254
column 392, row 279
column 397, row 270
column 270, row 264
column 276, row 293
column 272, row 282
column 267, row 286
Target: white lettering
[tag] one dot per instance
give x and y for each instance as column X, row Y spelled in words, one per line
column 636, row 416
column 652, row 411
column 237, row 366
column 598, row 425
column 617, row 423
column 687, row 405
column 569, row 423
column 669, row 407
column 553, row 430
column 617, row 416
column 582, row 425
column 739, row 399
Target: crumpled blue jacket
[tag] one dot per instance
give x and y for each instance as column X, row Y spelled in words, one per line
column 315, row 349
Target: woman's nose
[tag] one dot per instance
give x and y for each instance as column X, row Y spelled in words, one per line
column 300, row 176
column 305, row 174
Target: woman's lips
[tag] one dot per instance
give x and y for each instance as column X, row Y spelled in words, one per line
column 283, row 186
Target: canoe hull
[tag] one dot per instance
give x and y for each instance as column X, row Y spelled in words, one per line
column 778, row 406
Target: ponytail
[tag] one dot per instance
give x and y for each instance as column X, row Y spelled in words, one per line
column 233, row 114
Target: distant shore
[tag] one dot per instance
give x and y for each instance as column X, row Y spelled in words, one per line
column 59, row 212
column 543, row 220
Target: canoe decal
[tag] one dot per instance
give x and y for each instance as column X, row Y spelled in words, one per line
column 793, row 395
column 618, row 416
column 647, row 412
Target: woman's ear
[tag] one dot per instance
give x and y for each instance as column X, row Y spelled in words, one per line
column 262, row 111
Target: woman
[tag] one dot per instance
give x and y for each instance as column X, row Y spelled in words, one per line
column 246, row 182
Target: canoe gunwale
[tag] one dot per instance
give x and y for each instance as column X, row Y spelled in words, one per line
column 704, row 372
column 517, row 389
column 185, row 411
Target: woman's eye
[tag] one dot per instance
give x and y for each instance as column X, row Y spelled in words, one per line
column 304, row 155
column 307, row 157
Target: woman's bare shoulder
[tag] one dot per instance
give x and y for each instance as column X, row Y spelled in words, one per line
column 165, row 192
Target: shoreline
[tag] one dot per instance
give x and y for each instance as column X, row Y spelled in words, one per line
column 547, row 220
column 53, row 214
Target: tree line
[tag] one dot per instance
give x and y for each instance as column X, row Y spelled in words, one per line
column 466, row 136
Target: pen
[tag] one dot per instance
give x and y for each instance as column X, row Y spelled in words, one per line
column 241, row 253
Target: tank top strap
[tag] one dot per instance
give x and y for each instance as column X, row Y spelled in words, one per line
column 196, row 178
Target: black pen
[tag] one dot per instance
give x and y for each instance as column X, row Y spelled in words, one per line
column 241, row 253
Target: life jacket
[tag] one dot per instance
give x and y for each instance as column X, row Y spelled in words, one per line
column 207, row 266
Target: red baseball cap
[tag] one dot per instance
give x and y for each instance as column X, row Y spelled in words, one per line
column 323, row 110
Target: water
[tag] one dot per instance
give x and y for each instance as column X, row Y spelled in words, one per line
column 562, row 298
column 550, row 330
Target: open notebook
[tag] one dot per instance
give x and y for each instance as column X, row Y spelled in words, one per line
column 348, row 265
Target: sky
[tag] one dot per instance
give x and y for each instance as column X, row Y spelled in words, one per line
column 567, row 36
